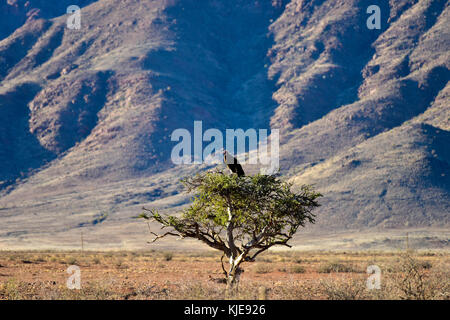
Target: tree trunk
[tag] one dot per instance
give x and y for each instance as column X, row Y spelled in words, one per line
column 233, row 281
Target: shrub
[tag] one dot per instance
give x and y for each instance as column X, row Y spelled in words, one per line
column 298, row 269
column 412, row 280
column 11, row 290
column 335, row 267
column 262, row 268
column 347, row 289
column 168, row 256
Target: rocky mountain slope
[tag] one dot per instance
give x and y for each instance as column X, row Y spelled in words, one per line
column 86, row 115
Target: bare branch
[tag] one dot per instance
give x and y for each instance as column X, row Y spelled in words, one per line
column 159, row 236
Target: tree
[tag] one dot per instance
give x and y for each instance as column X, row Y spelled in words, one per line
column 240, row 216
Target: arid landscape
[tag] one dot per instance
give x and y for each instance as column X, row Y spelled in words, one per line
column 88, row 115
column 179, row 275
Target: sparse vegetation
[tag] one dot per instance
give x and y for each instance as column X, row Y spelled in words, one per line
column 147, row 276
column 11, row 289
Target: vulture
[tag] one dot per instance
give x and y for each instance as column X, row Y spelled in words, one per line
column 233, row 164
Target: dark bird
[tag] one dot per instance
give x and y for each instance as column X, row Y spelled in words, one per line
column 233, row 164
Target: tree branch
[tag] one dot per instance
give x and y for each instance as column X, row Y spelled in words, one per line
column 159, row 236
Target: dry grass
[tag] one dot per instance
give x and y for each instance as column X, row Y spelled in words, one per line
column 181, row 275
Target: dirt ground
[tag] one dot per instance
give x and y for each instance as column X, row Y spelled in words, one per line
column 183, row 275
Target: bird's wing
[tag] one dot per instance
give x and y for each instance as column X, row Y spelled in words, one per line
column 240, row 172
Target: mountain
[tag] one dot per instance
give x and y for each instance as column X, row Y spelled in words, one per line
column 87, row 115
